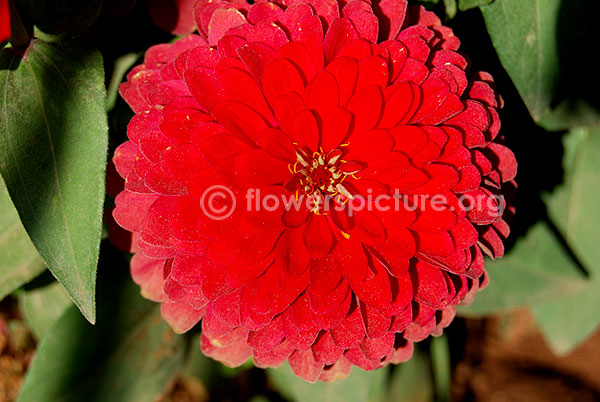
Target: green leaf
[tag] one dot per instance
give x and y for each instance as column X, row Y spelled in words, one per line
column 122, row 65
column 576, row 103
column 450, row 6
column 42, row 306
column 524, row 35
column 412, row 381
column 442, row 370
column 464, row 5
column 20, row 262
column 359, row 386
column 573, row 207
column 53, row 141
column 131, row 354
column 537, row 269
column 571, row 113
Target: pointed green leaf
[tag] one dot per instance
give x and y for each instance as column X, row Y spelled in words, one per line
column 130, row 355
column 20, row 261
column 537, row 269
column 524, row 35
column 573, row 207
column 53, row 141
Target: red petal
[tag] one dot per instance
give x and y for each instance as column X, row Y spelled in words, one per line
column 221, row 21
column 317, row 236
column 373, row 70
column 432, row 286
column 179, row 316
column 233, row 355
column 365, row 22
column 401, row 102
column 148, row 274
column 375, row 290
column 394, row 12
column 304, row 366
column 238, row 86
column 298, row 54
column 438, row 244
column 305, row 130
column 370, row 145
column 351, row 331
column 339, row 33
column 265, row 339
column 378, row 348
column 397, row 250
column 309, row 32
column 507, row 164
column 324, row 349
column 345, row 70
column 203, row 86
column 366, row 105
column 240, row 119
column 322, row 93
column 336, row 125
column 131, row 209
column 376, row 323
column 258, row 169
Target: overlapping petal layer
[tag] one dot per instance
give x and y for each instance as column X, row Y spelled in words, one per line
column 296, row 98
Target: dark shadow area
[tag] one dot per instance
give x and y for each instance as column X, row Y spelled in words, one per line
column 539, row 152
column 577, row 50
column 116, row 35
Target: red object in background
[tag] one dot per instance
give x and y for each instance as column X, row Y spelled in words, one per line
column 312, row 100
column 175, row 16
column 4, row 21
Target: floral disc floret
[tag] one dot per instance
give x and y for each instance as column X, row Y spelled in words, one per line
column 321, row 177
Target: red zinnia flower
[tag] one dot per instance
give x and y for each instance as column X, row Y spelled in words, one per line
column 298, row 98
column 4, row 21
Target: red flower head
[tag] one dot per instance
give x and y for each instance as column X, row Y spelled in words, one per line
column 4, row 21
column 364, row 110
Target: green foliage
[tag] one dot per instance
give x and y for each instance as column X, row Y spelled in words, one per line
column 464, row 5
column 20, row 262
column 53, row 140
column 359, row 386
column 573, row 207
column 131, row 354
column 412, row 381
column 442, row 370
column 451, row 8
column 524, row 35
column 544, row 267
column 42, row 306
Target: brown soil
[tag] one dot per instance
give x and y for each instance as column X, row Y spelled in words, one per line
column 16, row 351
column 507, row 359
